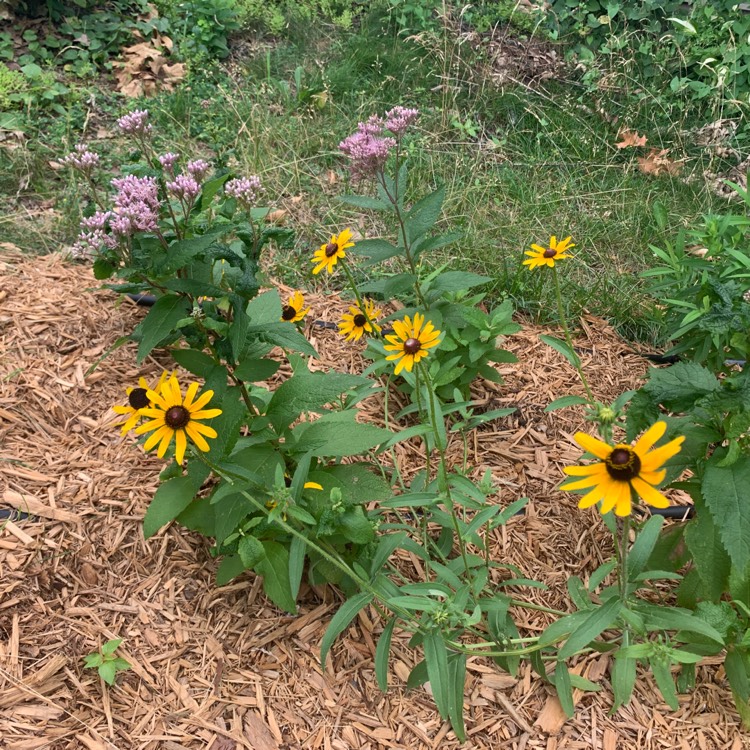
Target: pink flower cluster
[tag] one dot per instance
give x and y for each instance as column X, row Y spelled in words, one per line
column 245, row 189
column 368, row 148
column 93, row 236
column 399, row 119
column 82, row 159
column 184, row 187
column 136, row 205
column 136, row 123
column 168, row 161
column 198, row 169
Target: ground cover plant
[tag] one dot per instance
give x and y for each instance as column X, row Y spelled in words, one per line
column 266, row 474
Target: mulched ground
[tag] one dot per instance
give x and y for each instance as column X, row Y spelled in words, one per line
column 221, row 668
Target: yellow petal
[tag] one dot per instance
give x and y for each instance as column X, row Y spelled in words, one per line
column 205, row 414
column 190, row 394
column 148, row 426
column 180, row 443
column 203, row 399
column 584, row 471
column 196, row 437
column 156, row 437
column 593, row 497
column 582, row 484
column 615, row 496
column 655, row 458
column 592, row 445
column 650, row 438
column 312, row 486
column 649, row 494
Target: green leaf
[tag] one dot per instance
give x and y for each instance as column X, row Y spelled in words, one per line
column 182, row 252
column 436, row 657
column 600, row 574
column 255, row 370
column 227, row 424
column 111, row 646
column 358, row 482
column 564, row 688
column 265, row 308
column 678, row 387
column 199, row 363
column 724, row 489
column 274, row 568
column 284, row 335
column 308, row 391
column 456, row 688
column 376, row 251
column 169, row 500
column 355, row 526
column 593, row 625
column 338, row 434
column 159, row 323
column 297, row 554
column 229, row 568
column 565, row 401
column 710, row 559
column 643, row 546
column 108, row 672
column 424, row 214
column 103, row 269
column 622, row 674
column 455, row 281
column 736, row 668
column 674, row 618
column 664, row 681
column 250, row 550
column 563, row 348
column 390, row 286
column 210, row 189
column 341, row 620
column 382, row 652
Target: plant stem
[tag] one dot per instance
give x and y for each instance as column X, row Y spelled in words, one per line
column 360, row 302
column 443, row 469
column 623, row 567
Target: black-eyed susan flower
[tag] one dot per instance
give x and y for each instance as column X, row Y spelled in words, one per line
column 622, row 469
column 294, row 310
column 546, row 256
column 329, row 254
column 410, row 341
column 178, row 418
column 355, row 323
column 137, row 401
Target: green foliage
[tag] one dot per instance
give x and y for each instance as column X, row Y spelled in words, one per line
column 702, row 279
column 203, row 27
column 106, row 662
column 697, row 52
column 12, row 85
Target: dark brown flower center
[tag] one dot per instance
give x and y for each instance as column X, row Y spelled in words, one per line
column 360, row 320
column 623, row 463
column 177, row 417
column 288, row 313
column 550, row 253
column 138, row 398
column 412, row 346
column 331, row 249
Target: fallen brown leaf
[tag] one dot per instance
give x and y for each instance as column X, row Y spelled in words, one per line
column 630, row 139
column 656, row 163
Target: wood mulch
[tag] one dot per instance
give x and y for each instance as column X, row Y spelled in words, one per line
column 222, row 668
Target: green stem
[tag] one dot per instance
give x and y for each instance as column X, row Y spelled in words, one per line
column 443, row 469
column 568, row 338
column 623, row 567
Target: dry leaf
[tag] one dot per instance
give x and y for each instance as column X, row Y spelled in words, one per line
column 630, row 139
column 144, row 69
column 277, row 217
column 656, row 163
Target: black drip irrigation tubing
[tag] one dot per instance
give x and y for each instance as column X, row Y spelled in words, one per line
column 674, row 512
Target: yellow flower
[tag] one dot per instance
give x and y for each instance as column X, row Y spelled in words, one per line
column 137, row 401
column 329, row 254
column 355, row 322
column 546, row 256
column 292, row 311
column 410, row 341
column 171, row 416
column 312, row 486
column 623, row 468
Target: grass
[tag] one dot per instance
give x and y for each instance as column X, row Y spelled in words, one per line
column 519, row 163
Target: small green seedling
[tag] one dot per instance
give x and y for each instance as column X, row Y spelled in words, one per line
column 107, row 664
